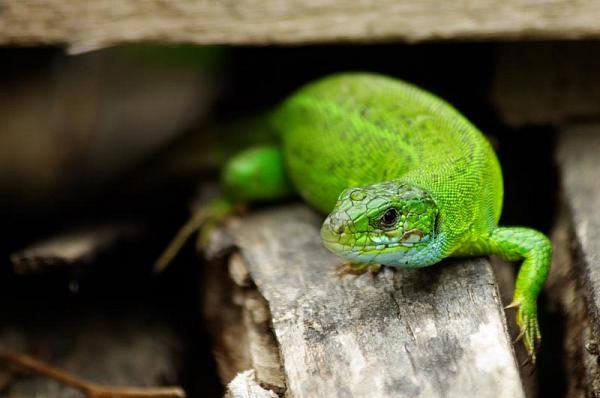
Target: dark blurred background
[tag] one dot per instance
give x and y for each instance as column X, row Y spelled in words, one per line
column 129, row 134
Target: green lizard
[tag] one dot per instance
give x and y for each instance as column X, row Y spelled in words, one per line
column 406, row 180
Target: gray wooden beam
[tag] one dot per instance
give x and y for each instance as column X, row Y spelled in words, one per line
column 87, row 25
column 432, row 332
column 579, row 164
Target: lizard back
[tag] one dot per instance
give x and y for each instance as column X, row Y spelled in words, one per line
column 356, row 129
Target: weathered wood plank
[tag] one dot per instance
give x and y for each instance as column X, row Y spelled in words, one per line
column 566, row 303
column 579, row 162
column 86, row 25
column 431, row 332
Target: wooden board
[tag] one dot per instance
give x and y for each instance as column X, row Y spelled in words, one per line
column 87, row 25
column 566, row 308
column 579, row 164
column 433, row 332
column 579, row 160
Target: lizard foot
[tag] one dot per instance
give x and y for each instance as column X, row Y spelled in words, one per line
column 357, row 269
column 527, row 321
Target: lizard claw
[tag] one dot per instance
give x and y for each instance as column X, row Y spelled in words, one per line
column 529, row 361
column 519, row 336
column 529, row 332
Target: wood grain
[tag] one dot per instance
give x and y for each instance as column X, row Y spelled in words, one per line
column 86, row 25
column 430, row 332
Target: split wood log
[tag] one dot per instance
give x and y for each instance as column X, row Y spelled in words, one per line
column 88, row 25
column 579, row 163
column 431, row 332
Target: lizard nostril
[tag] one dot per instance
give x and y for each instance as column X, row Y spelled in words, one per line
column 340, row 229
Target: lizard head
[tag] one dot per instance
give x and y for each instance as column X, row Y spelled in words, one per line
column 390, row 223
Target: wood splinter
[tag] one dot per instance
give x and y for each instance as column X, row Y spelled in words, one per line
column 89, row 389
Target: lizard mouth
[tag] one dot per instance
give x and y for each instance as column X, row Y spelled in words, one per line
column 328, row 235
column 332, row 241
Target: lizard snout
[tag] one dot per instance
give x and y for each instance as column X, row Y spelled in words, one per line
column 333, row 229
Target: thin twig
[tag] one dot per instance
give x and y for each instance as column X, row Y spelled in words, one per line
column 91, row 390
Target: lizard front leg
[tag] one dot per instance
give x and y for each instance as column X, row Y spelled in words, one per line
column 535, row 249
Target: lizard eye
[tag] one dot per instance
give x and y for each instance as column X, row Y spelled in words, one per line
column 389, row 218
